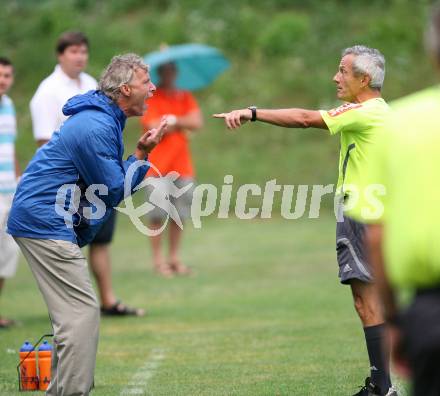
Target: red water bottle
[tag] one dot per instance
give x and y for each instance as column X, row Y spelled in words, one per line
column 44, row 364
column 28, row 367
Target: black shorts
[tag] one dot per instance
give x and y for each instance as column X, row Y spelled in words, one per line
column 420, row 326
column 351, row 252
column 105, row 233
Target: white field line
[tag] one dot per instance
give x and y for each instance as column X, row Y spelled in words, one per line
column 139, row 381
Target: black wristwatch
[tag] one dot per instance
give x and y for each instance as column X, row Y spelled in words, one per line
column 254, row 113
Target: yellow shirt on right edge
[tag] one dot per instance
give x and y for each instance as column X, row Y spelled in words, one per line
column 406, row 161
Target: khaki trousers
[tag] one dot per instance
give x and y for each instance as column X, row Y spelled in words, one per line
column 62, row 275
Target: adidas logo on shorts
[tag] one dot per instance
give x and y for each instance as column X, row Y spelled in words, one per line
column 347, row 268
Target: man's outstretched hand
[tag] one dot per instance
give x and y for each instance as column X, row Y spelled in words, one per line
column 150, row 139
column 236, row 118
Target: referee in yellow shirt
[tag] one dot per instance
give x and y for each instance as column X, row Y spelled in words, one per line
column 358, row 121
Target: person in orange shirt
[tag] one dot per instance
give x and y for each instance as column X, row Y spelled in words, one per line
column 171, row 155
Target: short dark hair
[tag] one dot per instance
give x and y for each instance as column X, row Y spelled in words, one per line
column 5, row 61
column 163, row 66
column 70, row 38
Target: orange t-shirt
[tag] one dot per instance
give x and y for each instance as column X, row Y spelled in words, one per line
column 172, row 153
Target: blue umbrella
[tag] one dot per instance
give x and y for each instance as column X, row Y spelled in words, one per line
column 198, row 65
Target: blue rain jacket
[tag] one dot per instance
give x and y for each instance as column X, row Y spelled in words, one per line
column 72, row 183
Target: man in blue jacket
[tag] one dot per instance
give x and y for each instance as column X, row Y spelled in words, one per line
column 66, row 192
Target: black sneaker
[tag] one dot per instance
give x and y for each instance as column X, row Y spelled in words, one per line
column 369, row 389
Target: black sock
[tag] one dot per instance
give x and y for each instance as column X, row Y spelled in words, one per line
column 379, row 361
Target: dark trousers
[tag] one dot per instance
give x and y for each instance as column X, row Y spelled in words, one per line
column 421, row 341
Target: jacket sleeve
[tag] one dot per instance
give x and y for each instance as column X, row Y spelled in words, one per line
column 96, row 156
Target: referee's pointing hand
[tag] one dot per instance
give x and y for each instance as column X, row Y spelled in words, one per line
column 236, row 118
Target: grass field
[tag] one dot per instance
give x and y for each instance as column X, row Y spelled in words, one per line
column 263, row 315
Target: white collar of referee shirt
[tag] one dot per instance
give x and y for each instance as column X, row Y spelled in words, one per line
column 58, row 71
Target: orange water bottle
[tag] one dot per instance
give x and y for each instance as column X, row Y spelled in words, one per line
column 28, row 368
column 44, row 364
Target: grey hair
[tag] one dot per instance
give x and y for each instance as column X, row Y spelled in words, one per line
column 368, row 61
column 120, row 71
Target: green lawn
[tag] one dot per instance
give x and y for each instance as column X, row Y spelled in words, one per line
column 264, row 315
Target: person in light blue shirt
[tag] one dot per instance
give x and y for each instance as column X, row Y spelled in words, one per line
column 8, row 176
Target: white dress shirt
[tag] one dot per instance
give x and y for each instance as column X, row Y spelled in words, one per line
column 50, row 97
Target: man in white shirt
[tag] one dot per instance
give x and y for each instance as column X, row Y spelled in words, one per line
column 8, row 174
column 67, row 80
